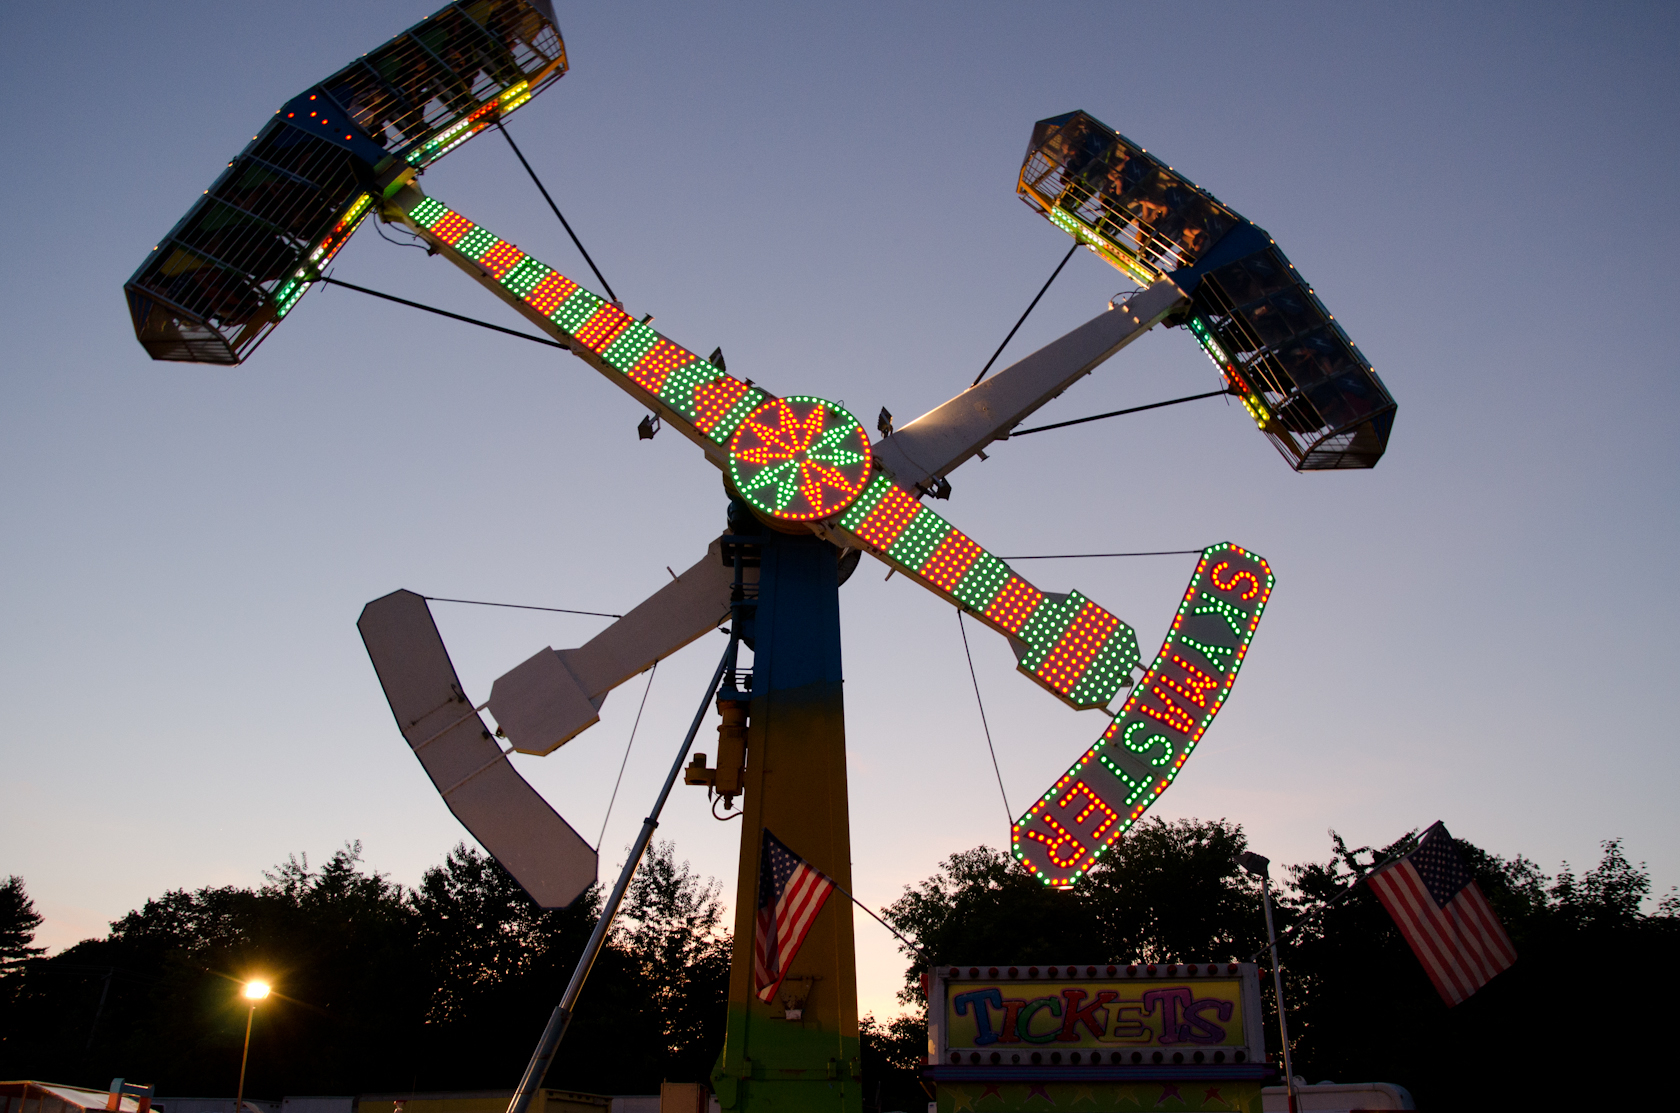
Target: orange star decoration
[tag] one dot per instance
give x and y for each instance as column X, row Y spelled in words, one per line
column 799, row 458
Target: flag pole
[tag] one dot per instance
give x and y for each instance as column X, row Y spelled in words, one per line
column 543, row 1056
column 1261, row 865
column 1277, row 987
column 1353, row 886
column 919, row 952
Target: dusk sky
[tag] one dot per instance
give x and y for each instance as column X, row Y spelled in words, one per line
column 1477, row 631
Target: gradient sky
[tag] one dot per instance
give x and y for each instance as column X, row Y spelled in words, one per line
column 1477, row 631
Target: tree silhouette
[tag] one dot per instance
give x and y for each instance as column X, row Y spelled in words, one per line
column 18, row 921
column 446, row 986
column 1597, row 974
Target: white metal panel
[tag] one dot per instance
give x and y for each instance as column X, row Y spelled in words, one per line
column 693, row 604
column 553, row 696
column 946, row 436
column 1333, row 1097
column 504, row 813
column 539, row 704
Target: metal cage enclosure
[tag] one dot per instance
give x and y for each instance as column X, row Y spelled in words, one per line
column 1306, row 385
column 234, row 266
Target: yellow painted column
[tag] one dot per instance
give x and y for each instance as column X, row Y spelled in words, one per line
column 796, row 787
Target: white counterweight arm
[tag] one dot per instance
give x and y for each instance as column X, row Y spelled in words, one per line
column 556, row 694
column 937, row 442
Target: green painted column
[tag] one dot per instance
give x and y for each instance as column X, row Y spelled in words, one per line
column 795, row 786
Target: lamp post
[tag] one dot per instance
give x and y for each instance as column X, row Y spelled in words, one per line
column 253, row 992
column 1261, row 866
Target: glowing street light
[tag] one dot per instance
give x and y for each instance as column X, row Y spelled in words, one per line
column 253, row 992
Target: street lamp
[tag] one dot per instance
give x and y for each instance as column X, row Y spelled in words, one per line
column 1261, row 867
column 253, row 992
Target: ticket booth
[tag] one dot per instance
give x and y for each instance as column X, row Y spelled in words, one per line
column 1172, row 1036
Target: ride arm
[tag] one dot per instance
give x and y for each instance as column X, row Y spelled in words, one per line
column 1074, row 649
column 505, row 814
column 555, row 695
column 934, row 444
column 688, row 393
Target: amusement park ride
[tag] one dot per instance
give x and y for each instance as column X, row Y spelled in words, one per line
column 810, row 492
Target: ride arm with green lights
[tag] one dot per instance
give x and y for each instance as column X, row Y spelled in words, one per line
column 1066, row 643
column 806, row 461
column 688, row 393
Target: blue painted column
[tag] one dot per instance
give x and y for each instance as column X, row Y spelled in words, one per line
column 795, row 786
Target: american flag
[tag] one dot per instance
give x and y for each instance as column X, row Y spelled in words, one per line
column 790, row 894
column 1444, row 916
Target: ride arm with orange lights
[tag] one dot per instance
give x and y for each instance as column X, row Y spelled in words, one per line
column 688, row 393
column 798, row 459
column 1067, row 644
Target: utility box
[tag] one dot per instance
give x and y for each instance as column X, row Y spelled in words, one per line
column 1338, row 1097
column 684, row 1097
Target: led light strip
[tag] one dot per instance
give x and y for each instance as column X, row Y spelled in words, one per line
column 1251, row 400
column 712, row 402
column 298, row 284
column 470, row 124
column 1069, row 645
column 1073, row 647
column 1150, row 739
column 1136, row 269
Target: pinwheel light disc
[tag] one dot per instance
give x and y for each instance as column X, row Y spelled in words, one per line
column 799, row 458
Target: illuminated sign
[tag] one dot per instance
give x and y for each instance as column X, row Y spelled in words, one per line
column 1115, row 781
column 799, row 458
column 1017, row 1018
